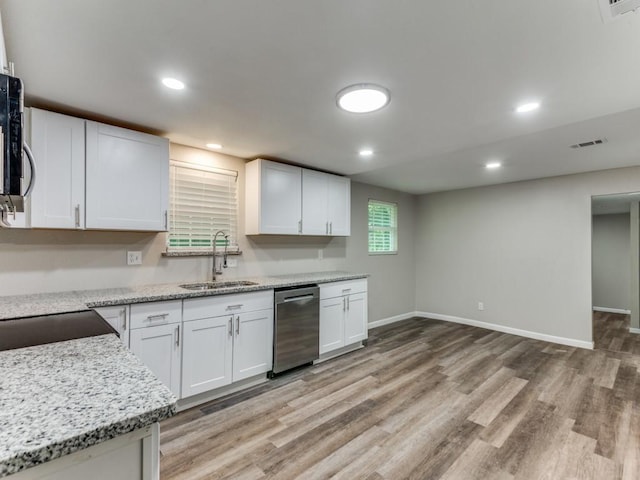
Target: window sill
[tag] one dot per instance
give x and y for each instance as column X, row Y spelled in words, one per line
column 198, row 253
column 383, row 253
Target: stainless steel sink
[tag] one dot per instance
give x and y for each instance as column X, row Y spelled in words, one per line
column 216, row 285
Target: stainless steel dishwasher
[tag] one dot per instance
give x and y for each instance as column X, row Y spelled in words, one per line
column 296, row 333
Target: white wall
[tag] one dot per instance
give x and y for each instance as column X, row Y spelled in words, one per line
column 33, row 261
column 611, row 261
column 524, row 249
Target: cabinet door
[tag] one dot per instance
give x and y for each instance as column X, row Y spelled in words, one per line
column 355, row 325
column 58, row 143
column 159, row 349
column 127, row 179
column 314, row 203
column 339, row 205
column 118, row 318
column 253, row 344
column 332, row 311
column 280, row 198
column 207, row 354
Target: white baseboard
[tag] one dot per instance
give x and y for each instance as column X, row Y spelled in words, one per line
column 634, row 330
column 513, row 331
column 612, row 310
column 394, row 319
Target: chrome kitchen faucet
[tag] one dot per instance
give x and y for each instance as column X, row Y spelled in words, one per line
column 215, row 270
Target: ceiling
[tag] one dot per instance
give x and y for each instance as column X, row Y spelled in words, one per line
column 261, row 79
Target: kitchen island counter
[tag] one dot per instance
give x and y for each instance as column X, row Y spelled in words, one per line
column 60, row 398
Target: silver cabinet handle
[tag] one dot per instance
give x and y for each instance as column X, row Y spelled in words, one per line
column 234, row 307
column 299, row 226
column 78, row 216
column 344, row 304
column 330, row 228
column 231, row 325
column 123, row 314
column 161, row 316
column 178, row 336
column 326, row 228
column 237, row 324
column 166, row 221
column 348, row 303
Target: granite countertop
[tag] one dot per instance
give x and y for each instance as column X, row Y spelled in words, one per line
column 79, row 393
column 19, row 306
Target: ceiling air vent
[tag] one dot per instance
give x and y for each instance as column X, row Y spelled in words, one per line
column 610, row 9
column 590, row 143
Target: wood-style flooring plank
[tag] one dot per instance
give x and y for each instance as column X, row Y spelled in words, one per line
column 427, row 400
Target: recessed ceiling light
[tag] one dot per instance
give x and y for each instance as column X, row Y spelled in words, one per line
column 528, row 107
column 367, row 152
column 173, row 83
column 363, row 98
column 215, row 146
column 493, row 165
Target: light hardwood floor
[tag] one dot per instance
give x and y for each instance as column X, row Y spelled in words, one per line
column 425, row 400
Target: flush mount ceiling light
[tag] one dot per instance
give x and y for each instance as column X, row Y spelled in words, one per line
column 528, row 107
column 173, row 83
column 493, row 165
column 363, row 98
column 215, row 146
column 366, row 152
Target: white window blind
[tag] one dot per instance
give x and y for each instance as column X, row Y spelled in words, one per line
column 383, row 227
column 202, row 201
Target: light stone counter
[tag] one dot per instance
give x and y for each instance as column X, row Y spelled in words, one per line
column 19, row 306
column 62, row 397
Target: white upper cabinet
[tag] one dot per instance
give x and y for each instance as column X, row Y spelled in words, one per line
column 127, row 185
column 95, row 176
column 57, row 141
column 287, row 200
column 315, row 220
column 326, row 204
column 273, row 198
column 339, row 205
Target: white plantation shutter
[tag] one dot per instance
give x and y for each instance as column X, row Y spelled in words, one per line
column 202, row 201
column 383, row 227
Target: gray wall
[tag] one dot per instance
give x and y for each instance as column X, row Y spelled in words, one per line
column 611, row 257
column 524, row 249
column 34, row 261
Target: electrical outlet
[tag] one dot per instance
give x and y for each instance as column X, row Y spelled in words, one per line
column 480, row 306
column 232, row 262
column 134, row 258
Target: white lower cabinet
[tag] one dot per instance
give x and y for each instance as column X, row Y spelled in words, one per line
column 343, row 314
column 232, row 344
column 355, row 323
column 156, row 338
column 159, row 349
column 118, row 318
column 253, row 344
column 207, row 354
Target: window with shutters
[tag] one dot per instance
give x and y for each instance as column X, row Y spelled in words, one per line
column 383, row 227
column 203, row 200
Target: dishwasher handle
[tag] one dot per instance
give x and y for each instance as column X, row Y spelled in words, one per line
column 297, row 294
column 299, row 298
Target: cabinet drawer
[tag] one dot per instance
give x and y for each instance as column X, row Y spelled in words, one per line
column 336, row 289
column 155, row 313
column 215, row 306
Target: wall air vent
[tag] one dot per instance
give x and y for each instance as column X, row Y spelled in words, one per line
column 590, row 143
column 612, row 9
